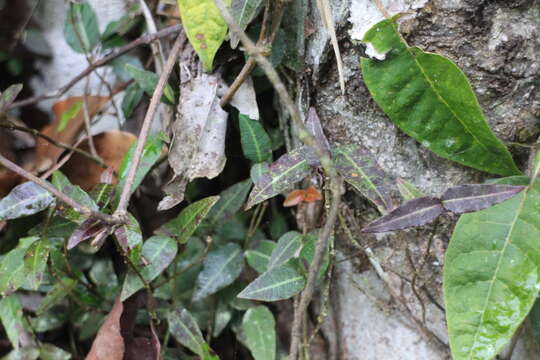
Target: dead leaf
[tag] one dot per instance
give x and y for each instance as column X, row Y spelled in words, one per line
column 109, row 343
column 111, row 147
column 47, row 153
column 296, row 197
column 245, row 100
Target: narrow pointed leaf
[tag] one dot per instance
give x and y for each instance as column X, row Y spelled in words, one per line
column 430, row 99
column 158, row 252
column 81, row 29
column 244, row 11
column 148, row 81
column 103, row 192
column 11, row 315
column 468, row 198
column 221, row 267
column 259, row 257
column 288, row 246
column 407, row 190
column 313, row 124
column 256, row 143
column 259, row 328
column 185, row 330
column 358, row 167
column 35, row 262
column 281, row 176
column 491, row 275
column 204, row 26
column 184, row 225
column 25, row 199
column 415, row 212
column 8, row 96
column 230, row 202
column 278, row 283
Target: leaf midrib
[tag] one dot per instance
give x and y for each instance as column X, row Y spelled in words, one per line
column 278, row 177
column 218, row 273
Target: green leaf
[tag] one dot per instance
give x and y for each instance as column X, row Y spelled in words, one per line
column 35, row 262
column 288, row 247
column 491, row 275
column 221, row 267
column 81, row 30
column 61, row 182
column 256, row 143
column 230, row 202
column 158, row 252
column 308, row 252
column 9, row 95
column 129, row 237
column 430, row 99
column 11, row 315
column 132, row 98
column 407, row 190
column 51, row 352
column 13, row 272
column 69, row 114
column 59, row 291
column 204, row 26
column 278, row 283
column 534, row 317
column 259, row 257
column 184, row 225
column 244, row 12
column 148, row 81
column 151, row 154
column 259, row 328
column 185, row 330
column 25, row 199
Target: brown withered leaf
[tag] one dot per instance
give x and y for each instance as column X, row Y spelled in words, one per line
column 111, row 147
column 47, row 153
column 109, row 342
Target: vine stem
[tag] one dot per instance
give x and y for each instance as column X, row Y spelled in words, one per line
column 326, row 163
column 147, row 123
column 59, row 195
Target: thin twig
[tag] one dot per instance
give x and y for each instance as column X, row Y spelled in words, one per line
column 143, row 40
column 326, row 163
column 59, row 195
column 147, row 123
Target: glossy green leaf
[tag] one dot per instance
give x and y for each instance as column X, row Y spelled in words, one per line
column 230, row 202
column 259, row 328
column 81, row 30
column 204, row 26
column 259, row 257
column 244, row 11
column 158, row 252
column 35, row 262
column 25, row 199
column 11, row 315
column 184, row 225
column 256, row 143
column 61, row 182
column 185, row 330
column 221, row 267
column 59, row 292
column 491, row 275
column 430, row 99
column 288, row 247
column 148, row 81
column 278, row 283
column 151, row 154
column 9, row 95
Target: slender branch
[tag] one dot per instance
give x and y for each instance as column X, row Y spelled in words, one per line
column 59, row 195
column 147, row 123
column 13, row 127
column 143, row 40
column 307, row 138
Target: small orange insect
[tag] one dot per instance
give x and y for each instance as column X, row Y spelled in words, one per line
column 295, row 197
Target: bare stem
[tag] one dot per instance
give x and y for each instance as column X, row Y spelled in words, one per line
column 147, row 123
column 59, row 195
column 308, row 139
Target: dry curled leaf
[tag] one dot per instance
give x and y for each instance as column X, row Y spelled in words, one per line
column 296, row 197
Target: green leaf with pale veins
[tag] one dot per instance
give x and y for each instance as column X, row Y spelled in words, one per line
column 184, row 225
column 35, row 262
column 230, row 202
column 259, row 257
column 221, row 267
column 11, row 315
column 25, row 199
column 278, row 283
column 492, row 275
column 244, row 11
column 204, row 26
column 81, row 30
column 61, row 182
column 288, row 247
column 430, row 99
column 259, row 328
column 256, row 143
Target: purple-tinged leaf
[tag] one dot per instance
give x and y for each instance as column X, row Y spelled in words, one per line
column 25, row 199
column 416, row 212
column 281, row 176
column 313, row 124
column 468, row 198
column 88, row 229
column 358, row 167
column 129, row 237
